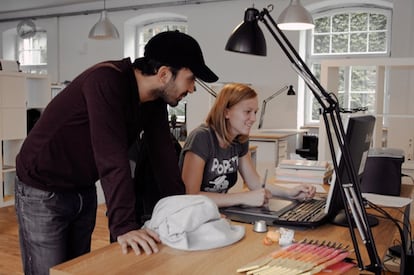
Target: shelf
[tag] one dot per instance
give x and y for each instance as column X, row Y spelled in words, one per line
column 8, row 168
column 18, row 93
column 8, row 198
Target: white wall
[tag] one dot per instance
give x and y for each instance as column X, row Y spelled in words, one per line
column 70, row 51
column 211, row 24
column 401, row 86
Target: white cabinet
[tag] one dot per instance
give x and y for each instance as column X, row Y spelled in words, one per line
column 18, row 92
column 273, row 146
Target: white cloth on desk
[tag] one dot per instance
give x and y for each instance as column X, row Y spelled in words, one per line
column 192, row 222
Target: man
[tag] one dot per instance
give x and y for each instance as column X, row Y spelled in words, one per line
column 84, row 134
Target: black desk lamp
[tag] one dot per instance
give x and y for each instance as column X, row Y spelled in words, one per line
column 290, row 91
column 206, row 87
column 248, row 38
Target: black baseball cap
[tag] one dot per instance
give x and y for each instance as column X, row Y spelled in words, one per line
column 178, row 49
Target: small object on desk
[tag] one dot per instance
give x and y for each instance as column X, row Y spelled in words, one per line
column 260, row 226
column 286, row 236
column 271, row 237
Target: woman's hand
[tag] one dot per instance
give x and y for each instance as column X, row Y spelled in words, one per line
column 257, row 197
column 302, row 192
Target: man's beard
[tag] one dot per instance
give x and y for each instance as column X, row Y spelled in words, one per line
column 167, row 92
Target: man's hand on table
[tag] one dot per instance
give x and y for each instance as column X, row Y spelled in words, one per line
column 144, row 239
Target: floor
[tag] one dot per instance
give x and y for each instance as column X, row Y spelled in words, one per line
column 10, row 262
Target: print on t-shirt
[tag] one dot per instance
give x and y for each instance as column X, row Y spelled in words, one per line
column 226, row 172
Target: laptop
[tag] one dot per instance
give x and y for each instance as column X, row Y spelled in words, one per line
column 282, row 212
column 322, row 208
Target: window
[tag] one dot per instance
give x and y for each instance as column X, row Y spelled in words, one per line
column 352, row 33
column 32, row 53
column 146, row 32
column 177, row 115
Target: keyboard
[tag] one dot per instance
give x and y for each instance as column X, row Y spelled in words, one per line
column 305, row 213
column 295, row 214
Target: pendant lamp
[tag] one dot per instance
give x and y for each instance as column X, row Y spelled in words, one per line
column 295, row 17
column 104, row 29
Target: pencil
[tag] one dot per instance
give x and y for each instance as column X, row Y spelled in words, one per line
column 264, row 179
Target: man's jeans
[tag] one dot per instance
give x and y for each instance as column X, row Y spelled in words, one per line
column 53, row 227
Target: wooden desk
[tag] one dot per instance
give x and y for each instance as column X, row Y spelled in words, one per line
column 226, row 260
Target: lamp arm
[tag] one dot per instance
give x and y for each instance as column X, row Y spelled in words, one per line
column 262, row 112
column 206, row 87
column 281, row 90
column 332, row 120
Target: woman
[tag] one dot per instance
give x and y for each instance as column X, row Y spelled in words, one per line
column 214, row 153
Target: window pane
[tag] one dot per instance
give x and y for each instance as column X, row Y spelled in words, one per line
column 359, row 21
column 377, row 22
column 340, row 22
column 178, row 110
column 322, row 25
column 358, row 42
column 359, row 100
column 145, row 33
column 341, row 100
column 32, row 53
column 377, row 42
column 321, row 44
column 341, row 75
column 340, row 43
column 316, row 69
column 363, row 79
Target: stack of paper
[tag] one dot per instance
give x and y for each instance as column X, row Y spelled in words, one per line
column 306, row 171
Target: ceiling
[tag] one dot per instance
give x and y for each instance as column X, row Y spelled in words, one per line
column 13, row 6
column 20, row 9
column 25, row 5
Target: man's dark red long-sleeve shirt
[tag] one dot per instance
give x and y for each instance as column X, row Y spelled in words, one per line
column 84, row 135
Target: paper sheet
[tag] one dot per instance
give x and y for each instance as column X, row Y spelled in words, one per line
column 387, row 201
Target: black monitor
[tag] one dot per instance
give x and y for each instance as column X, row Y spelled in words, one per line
column 358, row 135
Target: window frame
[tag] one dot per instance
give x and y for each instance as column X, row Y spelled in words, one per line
column 316, row 59
column 36, row 68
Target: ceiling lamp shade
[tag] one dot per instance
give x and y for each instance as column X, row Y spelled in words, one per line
column 247, row 37
column 291, row 90
column 295, row 17
column 103, row 29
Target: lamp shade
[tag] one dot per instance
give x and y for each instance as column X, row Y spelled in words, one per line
column 104, row 29
column 247, row 37
column 295, row 17
column 291, row 90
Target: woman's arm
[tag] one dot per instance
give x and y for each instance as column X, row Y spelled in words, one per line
column 249, row 173
column 192, row 174
column 253, row 181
